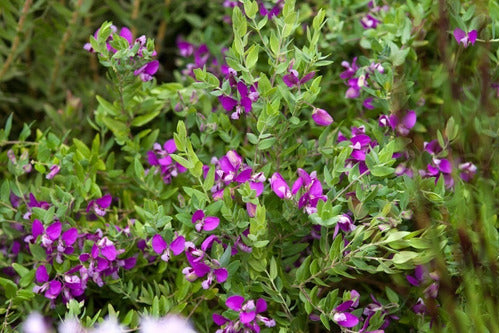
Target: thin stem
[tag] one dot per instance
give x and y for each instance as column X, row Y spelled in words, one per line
column 17, row 40
column 62, row 46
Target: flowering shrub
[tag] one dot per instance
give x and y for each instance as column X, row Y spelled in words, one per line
column 262, row 166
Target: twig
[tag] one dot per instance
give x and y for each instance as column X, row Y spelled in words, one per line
column 15, row 43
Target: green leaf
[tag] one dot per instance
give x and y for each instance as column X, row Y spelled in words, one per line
column 182, row 161
column 273, row 269
column 9, row 286
column 266, row 143
column 209, row 180
column 381, row 171
column 404, row 256
column 144, row 119
column 252, row 56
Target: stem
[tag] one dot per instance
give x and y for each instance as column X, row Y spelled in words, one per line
column 283, row 302
column 15, row 43
column 62, row 46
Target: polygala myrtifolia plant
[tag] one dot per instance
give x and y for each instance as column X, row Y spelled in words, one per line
column 237, row 198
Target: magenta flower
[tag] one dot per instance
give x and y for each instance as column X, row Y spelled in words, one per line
column 439, row 167
column 249, row 315
column 361, row 144
column 207, row 223
column 367, row 103
column 312, row 190
column 465, row 38
column 160, row 157
column 54, row 170
column 99, row 206
column 467, row 171
column 247, row 97
column 202, row 265
column 401, row 126
column 161, row 247
column 147, row 71
column 52, row 288
column 280, row 186
column 433, row 147
column 371, row 309
column 292, row 78
column 369, row 22
column 321, row 117
column 273, row 11
column 343, row 317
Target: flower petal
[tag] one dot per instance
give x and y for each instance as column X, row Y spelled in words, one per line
column 69, row 236
column 219, row 320
column 36, row 228
column 261, row 305
column 109, row 252
column 235, row 302
column 158, row 243
column 177, row 246
column 41, row 274
column 211, row 222
column 198, row 215
column 247, row 317
column 54, row 230
column 220, row 274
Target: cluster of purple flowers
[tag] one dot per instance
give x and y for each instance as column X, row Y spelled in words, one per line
column 249, row 316
column 230, row 169
column 100, row 262
column 160, row 157
column 146, row 71
column 200, row 263
column 423, row 277
column 343, row 316
column 356, row 79
column 241, row 99
column 202, row 58
column 308, row 184
column 442, row 166
column 360, row 143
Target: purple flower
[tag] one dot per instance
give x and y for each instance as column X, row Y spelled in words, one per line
column 200, row 267
column 369, row 22
column 367, row 103
column 401, row 126
column 161, row 247
column 99, row 206
column 312, row 193
column 351, row 69
column 433, row 147
column 147, row 71
column 249, row 315
column 371, row 309
column 467, row 171
column 247, row 97
column 465, row 38
column 52, row 288
column 160, row 156
column 54, row 170
column 343, row 317
column 321, row 117
column 292, row 78
column 439, row 167
column 279, row 186
column 186, row 49
column 207, row 223
column 274, row 11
